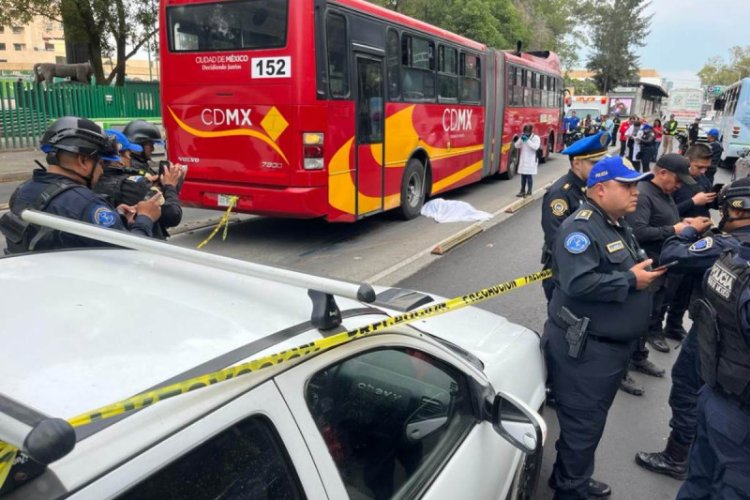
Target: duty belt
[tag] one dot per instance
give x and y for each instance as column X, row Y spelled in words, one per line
column 592, row 334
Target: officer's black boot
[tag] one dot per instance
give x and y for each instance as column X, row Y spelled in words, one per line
column 596, row 489
column 630, row 386
column 671, row 462
column 656, row 340
column 674, row 329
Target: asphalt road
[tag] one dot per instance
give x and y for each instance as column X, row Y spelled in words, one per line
column 512, row 249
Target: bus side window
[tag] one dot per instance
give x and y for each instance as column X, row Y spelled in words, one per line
column 393, row 55
column 418, row 70
column 471, row 89
column 338, row 61
column 447, row 73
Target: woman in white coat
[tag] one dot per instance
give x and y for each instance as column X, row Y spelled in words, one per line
column 528, row 143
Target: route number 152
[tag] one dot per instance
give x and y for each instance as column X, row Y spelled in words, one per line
column 271, row 67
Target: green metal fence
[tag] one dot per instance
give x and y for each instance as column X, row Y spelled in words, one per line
column 27, row 108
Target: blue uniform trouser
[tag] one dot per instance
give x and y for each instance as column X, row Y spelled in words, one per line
column 719, row 466
column 683, row 398
column 584, row 389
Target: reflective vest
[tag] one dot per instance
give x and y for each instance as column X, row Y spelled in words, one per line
column 724, row 346
column 670, row 127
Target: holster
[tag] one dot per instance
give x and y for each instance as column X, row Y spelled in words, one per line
column 576, row 333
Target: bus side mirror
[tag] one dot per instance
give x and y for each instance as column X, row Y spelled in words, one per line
column 517, row 423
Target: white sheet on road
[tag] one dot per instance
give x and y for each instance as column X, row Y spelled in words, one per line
column 452, row 211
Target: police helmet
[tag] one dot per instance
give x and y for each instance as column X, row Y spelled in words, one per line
column 79, row 136
column 142, row 132
column 735, row 195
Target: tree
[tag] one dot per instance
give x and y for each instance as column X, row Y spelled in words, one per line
column 108, row 27
column 716, row 71
column 582, row 87
column 554, row 25
column 617, row 28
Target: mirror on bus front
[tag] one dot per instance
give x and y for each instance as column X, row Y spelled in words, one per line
column 517, row 423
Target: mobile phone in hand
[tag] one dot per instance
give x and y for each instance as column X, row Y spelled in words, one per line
column 163, row 164
column 667, row 265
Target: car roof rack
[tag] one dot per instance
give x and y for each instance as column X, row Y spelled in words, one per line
column 42, row 438
column 325, row 314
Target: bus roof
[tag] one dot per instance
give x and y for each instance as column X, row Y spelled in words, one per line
column 550, row 63
column 409, row 22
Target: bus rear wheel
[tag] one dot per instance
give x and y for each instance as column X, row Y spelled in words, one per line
column 412, row 189
column 512, row 164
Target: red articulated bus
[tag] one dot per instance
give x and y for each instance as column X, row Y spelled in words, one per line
column 340, row 108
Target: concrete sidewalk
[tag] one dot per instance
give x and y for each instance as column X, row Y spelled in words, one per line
column 18, row 165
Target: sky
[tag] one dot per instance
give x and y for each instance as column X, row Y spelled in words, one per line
column 686, row 33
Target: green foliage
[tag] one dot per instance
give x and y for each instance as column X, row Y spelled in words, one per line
column 717, row 71
column 538, row 24
column 582, row 87
column 617, row 28
column 110, row 28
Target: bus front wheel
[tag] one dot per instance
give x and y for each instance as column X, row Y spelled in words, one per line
column 412, row 189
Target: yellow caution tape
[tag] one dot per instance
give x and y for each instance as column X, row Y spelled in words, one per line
column 7, row 457
column 150, row 398
column 223, row 222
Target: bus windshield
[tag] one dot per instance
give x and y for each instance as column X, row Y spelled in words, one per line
column 236, row 25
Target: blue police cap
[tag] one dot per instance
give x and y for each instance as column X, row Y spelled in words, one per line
column 592, row 147
column 614, row 168
column 122, row 140
column 714, row 132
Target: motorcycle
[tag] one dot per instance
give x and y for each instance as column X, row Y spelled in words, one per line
column 573, row 136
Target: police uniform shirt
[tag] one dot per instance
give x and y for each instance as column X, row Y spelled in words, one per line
column 716, row 151
column 592, row 258
column 78, row 203
column 564, row 197
column 696, row 254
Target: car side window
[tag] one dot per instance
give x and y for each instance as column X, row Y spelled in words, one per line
column 390, row 418
column 245, row 461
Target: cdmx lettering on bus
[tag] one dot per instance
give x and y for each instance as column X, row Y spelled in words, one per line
column 228, row 116
column 457, row 119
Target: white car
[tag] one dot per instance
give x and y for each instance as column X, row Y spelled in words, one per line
column 441, row 408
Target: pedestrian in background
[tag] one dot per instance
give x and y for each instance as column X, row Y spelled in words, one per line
column 528, row 161
column 670, row 130
column 615, row 130
column 716, row 151
column 646, row 139
column 623, row 132
column 633, row 145
column 659, row 131
column 693, row 131
column 601, row 278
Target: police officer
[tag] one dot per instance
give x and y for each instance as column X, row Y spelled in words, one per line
column 670, row 130
column 719, row 463
column 598, row 310
column 695, row 255
column 75, row 148
column 143, row 180
column 120, row 182
column 568, row 193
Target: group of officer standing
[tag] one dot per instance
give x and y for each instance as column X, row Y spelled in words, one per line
column 101, row 177
column 609, row 295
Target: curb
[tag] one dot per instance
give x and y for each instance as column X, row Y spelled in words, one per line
column 18, row 176
column 420, row 260
column 201, row 224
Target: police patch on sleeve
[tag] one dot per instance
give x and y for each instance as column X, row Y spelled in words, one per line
column 559, row 207
column 576, row 243
column 103, row 216
column 702, row 245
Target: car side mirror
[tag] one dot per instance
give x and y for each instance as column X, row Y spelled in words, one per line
column 517, row 423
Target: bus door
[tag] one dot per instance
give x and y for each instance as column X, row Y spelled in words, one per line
column 370, row 133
